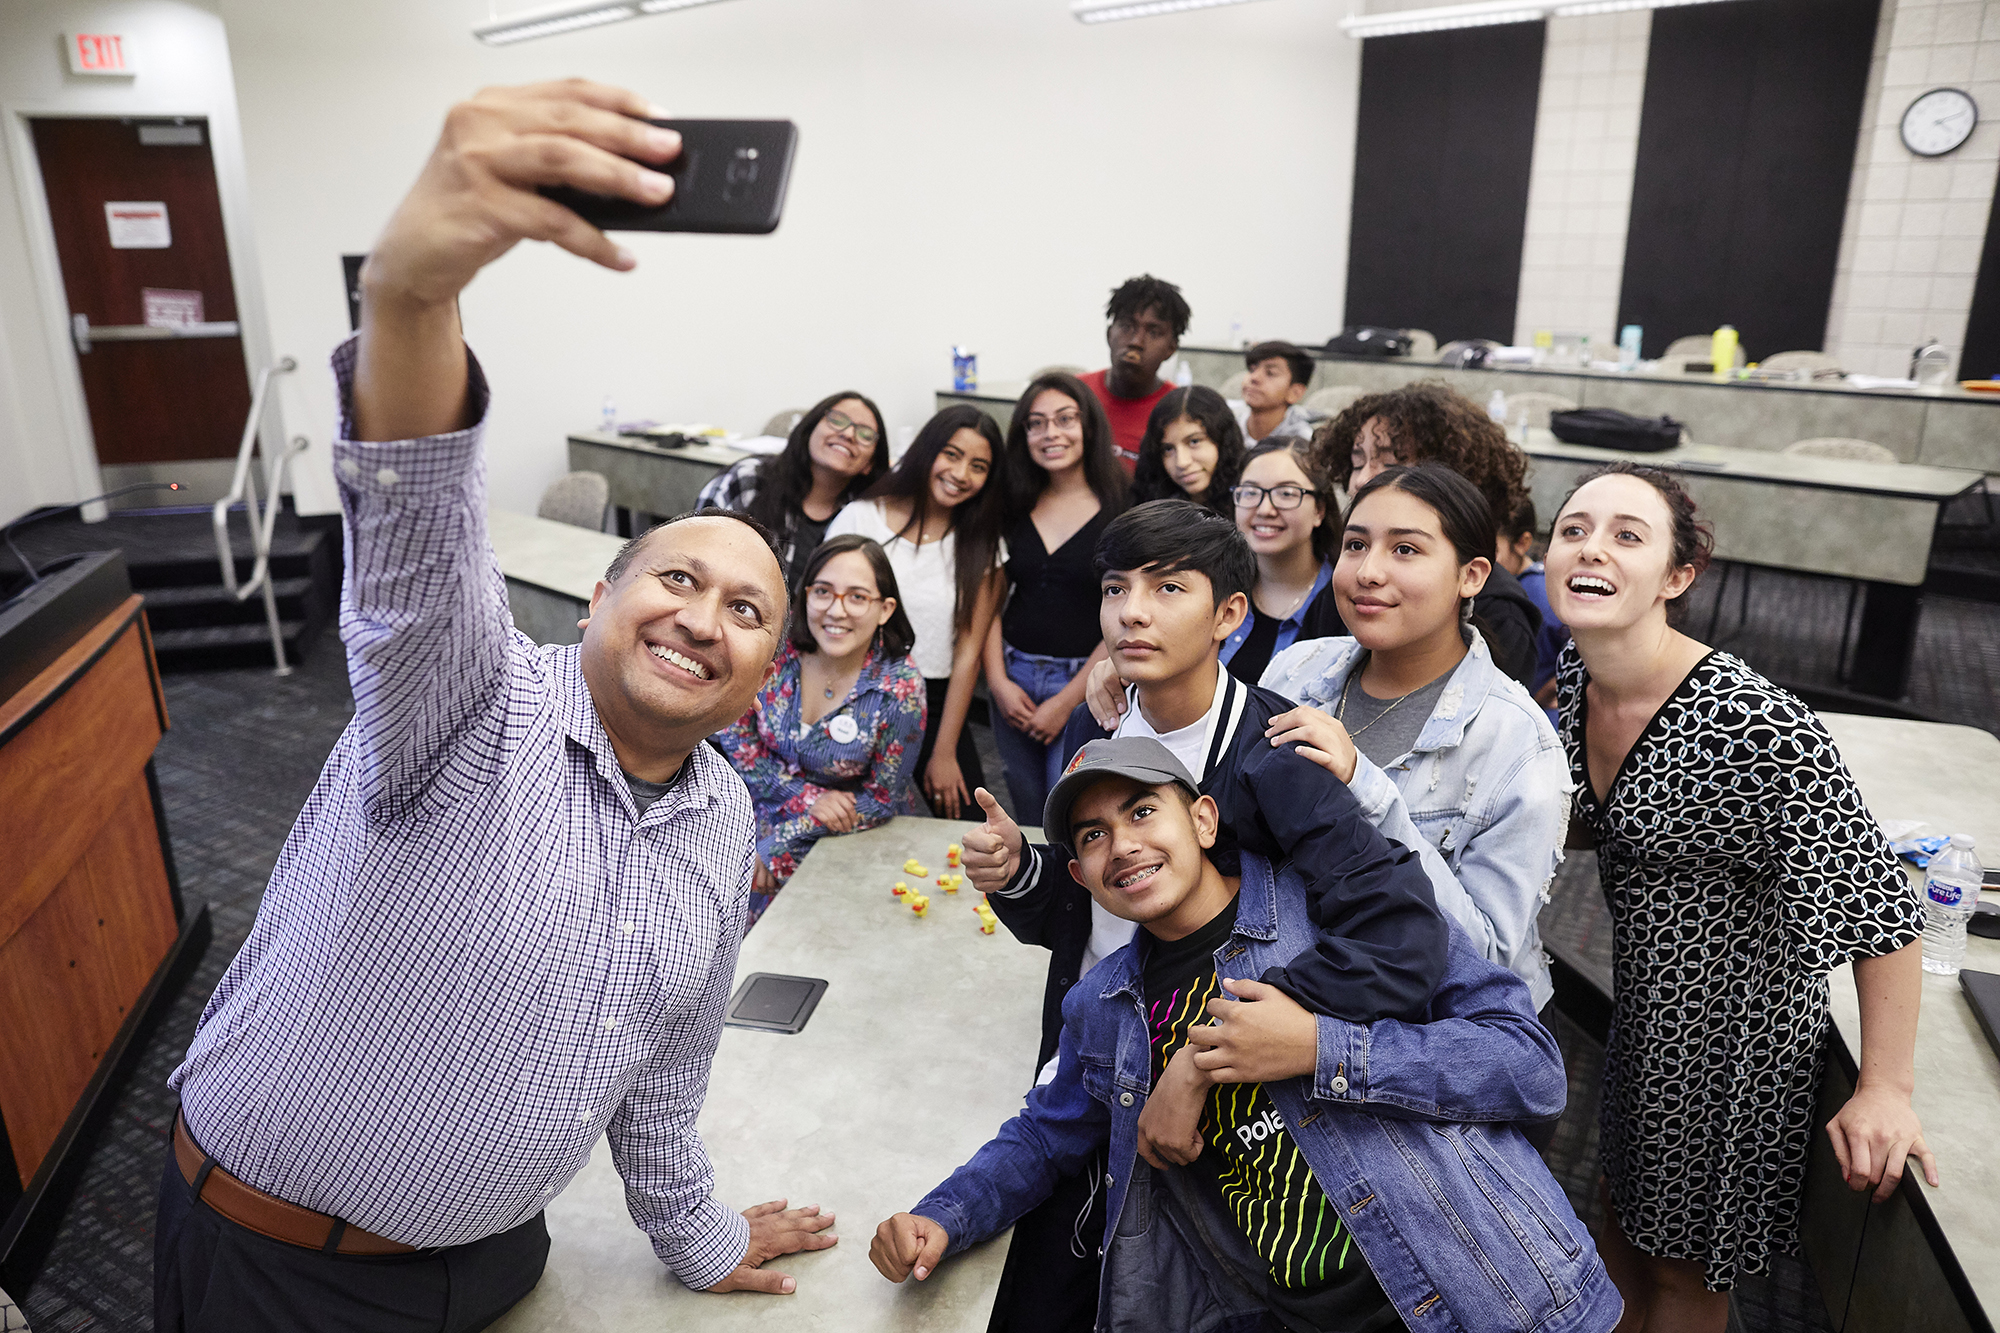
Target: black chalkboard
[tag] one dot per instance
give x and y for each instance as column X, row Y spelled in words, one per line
column 1443, row 143
column 1746, row 150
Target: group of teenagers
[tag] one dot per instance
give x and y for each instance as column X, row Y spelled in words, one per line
column 1300, row 809
column 974, row 554
column 1307, row 769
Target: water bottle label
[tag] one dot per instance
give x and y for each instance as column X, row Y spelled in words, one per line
column 1944, row 894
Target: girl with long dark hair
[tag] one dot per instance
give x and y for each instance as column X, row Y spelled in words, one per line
column 836, row 451
column 1064, row 483
column 1192, row 450
column 827, row 745
column 937, row 513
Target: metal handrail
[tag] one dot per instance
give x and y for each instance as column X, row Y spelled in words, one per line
column 243, row 487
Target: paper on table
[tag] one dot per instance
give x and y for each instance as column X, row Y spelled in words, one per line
column 761, row 444
column 1880, row 382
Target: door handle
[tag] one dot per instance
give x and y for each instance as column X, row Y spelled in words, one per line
column 83, row 333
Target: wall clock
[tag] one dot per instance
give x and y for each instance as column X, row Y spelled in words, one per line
column 1939, row 121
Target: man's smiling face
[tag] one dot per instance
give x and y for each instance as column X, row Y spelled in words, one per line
column 677, row 645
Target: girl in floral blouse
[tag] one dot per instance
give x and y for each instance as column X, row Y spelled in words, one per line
column 829, row 744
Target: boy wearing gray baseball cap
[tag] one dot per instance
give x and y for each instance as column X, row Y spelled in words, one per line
column 1309, row 1193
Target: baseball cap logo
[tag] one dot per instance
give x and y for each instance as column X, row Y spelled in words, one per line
column 1076, row 763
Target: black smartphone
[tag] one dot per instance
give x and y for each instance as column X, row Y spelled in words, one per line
column 730, row 177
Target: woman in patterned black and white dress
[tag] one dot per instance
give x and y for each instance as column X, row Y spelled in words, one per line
column 1740, row 867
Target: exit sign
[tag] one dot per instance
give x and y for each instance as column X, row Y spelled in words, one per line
column 110, row 54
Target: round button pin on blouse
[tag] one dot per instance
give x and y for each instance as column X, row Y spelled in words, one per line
column 843, row 729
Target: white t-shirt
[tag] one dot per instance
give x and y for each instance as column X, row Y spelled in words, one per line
column 926, row 576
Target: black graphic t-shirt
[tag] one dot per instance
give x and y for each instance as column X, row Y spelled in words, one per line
column 1317, row 1277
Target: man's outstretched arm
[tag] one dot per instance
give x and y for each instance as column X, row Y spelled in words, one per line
column 424, row 611
column 475, row 199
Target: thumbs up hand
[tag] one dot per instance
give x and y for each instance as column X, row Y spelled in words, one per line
column 992, row 852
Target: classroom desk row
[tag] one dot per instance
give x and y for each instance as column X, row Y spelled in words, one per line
column 1945, row 427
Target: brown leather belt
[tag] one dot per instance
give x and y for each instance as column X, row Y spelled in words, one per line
column 259, row 1212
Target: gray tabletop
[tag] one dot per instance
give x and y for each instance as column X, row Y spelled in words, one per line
column 1948, row 777
column 923, row 1045
column 1871, row 521
column 559, row 557
column 1903, row 480
column 645, row 477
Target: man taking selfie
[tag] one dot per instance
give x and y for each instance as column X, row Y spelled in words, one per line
column 507, row 919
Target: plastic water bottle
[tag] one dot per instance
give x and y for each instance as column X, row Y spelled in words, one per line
column 1629, row 339
column 964, row 370
column 608, row 418
column 1496, row 407
column 1951, row 895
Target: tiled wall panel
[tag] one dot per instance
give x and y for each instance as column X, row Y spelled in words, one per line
column 1914, row 227
column 1580, row 183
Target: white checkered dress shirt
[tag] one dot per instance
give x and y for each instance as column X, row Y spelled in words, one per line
column 475, row 955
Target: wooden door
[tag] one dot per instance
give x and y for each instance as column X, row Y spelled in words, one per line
column 153, row 398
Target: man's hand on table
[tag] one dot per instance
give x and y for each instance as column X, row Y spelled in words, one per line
column 775, row 1230
column 476, row 198
column 991, row 853
column 906, row 1243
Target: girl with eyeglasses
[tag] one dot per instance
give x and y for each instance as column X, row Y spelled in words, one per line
column 938, row 516
column 835, row 452
column 1064, row 484
column 829, row 742
column 1280, row 506
column 1192, row 450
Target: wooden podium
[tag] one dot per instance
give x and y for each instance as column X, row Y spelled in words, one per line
column 93, row 938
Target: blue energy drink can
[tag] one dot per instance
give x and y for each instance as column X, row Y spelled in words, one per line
column 964, row 370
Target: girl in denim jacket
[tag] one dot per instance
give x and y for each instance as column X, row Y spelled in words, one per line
column 1415, row 717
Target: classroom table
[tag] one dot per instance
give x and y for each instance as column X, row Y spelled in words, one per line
column 1928, row 1258
column 644, row 477
column 1945, row 426
column 551, row 570
column 1870, row 522
column 923, row 1045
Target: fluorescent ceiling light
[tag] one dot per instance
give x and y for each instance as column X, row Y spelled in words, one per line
column 1479, row 14
column 1110, row 11
column 549, row 21
column 1584, row 7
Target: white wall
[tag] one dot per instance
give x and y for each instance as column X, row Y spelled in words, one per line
column 46, row 455
column 1580, row 181
column 1910, row 245
column 970, row 171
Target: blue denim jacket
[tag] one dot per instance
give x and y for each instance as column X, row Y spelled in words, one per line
column 1405, row 1127
column 1487, row 784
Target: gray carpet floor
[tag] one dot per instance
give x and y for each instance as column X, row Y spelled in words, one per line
column 246, row 747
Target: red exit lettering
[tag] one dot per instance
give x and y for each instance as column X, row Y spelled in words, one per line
column 100, row 52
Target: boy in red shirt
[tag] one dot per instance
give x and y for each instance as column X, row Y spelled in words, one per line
column 1148, row 316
